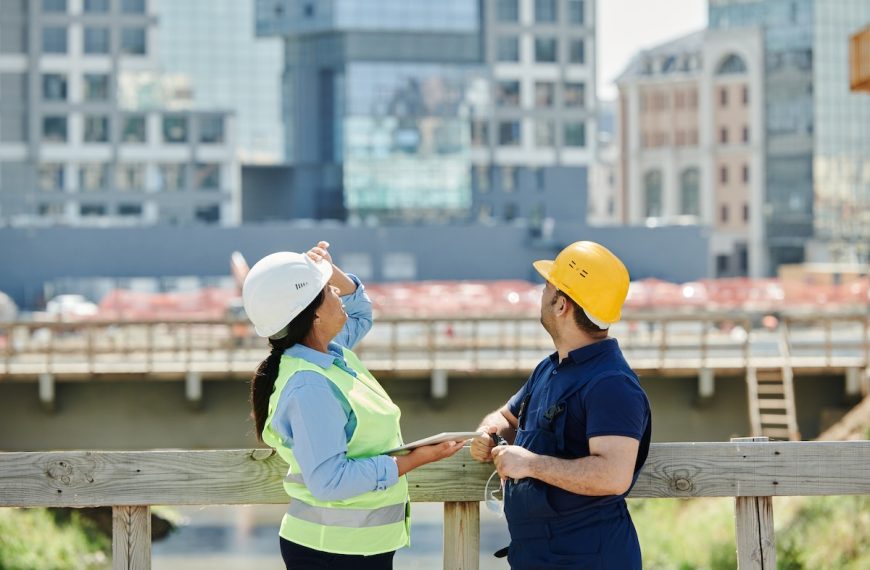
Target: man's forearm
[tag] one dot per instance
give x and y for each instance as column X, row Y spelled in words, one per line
column 593, row 476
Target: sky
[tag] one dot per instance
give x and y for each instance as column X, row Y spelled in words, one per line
column 626, row 26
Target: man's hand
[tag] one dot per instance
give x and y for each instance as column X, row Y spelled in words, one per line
column 481, row 446
column 513, row 461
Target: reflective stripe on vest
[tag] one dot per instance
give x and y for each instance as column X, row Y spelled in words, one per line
column 351, row 518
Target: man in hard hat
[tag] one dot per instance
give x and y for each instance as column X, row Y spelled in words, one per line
column 578, row 430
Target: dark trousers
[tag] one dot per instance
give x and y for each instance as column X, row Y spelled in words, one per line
column 297, row 556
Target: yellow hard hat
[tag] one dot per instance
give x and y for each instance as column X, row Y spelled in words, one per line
column 592, row 276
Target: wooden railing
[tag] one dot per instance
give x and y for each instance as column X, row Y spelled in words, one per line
column 653, row 341
column 750, row 469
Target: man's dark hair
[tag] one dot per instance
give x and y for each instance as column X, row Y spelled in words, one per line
column 580, row 319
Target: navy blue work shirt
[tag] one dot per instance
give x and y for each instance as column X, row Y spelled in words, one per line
column 592, row 392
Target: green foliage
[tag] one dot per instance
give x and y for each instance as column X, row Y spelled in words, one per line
column 823, row 533
column 36, row 539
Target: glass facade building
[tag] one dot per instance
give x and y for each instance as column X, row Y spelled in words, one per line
column 211, row 44
column 818, row 142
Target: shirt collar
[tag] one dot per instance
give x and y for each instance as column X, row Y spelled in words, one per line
column 581, row 355
column 321, row 359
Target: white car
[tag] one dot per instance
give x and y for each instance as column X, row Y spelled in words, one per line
column 70, row 308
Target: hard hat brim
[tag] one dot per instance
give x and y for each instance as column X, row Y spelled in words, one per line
column 544, row 266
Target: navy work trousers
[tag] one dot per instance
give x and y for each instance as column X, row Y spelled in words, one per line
column 301, row 557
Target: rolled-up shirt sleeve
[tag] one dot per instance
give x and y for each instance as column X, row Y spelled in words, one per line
column 358, row 307
column 312, row 421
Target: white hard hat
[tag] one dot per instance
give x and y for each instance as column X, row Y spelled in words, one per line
column 280, row 286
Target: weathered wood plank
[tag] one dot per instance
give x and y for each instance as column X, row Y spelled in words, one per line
column 245, row 476
column 753, row 518
column 461, row 535
column 131, row 538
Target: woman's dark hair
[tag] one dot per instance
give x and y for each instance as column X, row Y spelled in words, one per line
column 264, row 378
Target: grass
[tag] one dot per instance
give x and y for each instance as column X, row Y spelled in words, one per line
column 36, row 539
column 824, row 533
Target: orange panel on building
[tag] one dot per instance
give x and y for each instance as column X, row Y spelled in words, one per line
column 859, row 57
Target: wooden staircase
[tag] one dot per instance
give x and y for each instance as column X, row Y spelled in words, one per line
column 771, row 398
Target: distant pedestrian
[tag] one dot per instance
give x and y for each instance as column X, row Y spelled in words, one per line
column 318, row 406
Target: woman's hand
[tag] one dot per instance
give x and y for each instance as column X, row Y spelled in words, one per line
column 320, row 251
column 427, row 454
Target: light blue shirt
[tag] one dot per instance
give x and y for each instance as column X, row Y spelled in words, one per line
column 315, row 419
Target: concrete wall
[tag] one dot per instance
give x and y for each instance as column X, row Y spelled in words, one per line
column 31, row 257
column 154, row 414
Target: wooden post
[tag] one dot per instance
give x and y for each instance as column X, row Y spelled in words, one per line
column 753, row 517
column 461, row 535
column 131, row 538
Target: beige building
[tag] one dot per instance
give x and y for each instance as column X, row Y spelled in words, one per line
column 691, row 146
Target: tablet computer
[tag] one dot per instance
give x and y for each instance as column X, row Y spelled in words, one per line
column 431, row 440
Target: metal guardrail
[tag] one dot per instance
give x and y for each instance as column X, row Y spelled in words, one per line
column 655, row 341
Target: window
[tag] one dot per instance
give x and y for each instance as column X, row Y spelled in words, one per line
column 400, row 266
column 53, row 39
column 574, row 95
column 690, row 191
column 681, row 138
column 54, row 129
column 732, row 64
column 510, row 178
column 723, row 214
column 211, row 129
column 510, row 211
column 133, row 129
column 96, row 129
column 54, row 210
column 693, row 137
column 481, row 175
column 545, row 94
column 745, row 212
column 484, row 214
column 133, row 41
column 576, row 12
column 96, row 87
column 210, row 214
column 722, row 264
column 745, row 95
column 693, row 99
column 508, row 49
column 479, row 133
column 92, row 210
column 723, row 96
column 545, row 11
column 509, row 133
column 208, row 176
column 575, row 134
column 652, row 187
column 51, row 177
column 129, row 177
column 96, row 6
column 130, row 210
column 723, row 135
column 545, row 133
column 545, row 50
column 577, row 51
column 679, row 100
column 723, row 174
column 746, row 134
column 507, row 93
column 175, row 129
column 53, row 87
column 54, row 5
column 133, row 6
column 746, row 173
column 172, row 177
column 96, row 40
column 93, row 177
column 507, row 10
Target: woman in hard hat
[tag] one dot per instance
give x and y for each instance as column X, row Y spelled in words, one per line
column 318, row 406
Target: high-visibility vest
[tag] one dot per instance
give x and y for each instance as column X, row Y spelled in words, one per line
column 371, row 523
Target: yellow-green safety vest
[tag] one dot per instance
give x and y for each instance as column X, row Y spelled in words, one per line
column 371, row 523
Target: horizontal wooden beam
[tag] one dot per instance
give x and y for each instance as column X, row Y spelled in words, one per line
column 224, row 477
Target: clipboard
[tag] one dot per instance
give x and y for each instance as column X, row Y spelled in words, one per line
column 431, row 440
